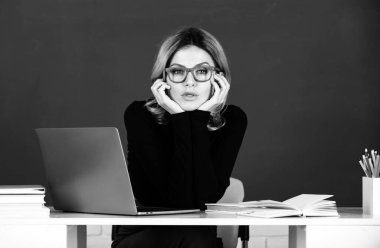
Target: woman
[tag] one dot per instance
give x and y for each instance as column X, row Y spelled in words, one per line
column 183, row 142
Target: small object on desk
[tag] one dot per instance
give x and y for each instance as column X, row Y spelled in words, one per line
column 301, row 205
column 371, row 195
column 370, row 164
column 22, row 201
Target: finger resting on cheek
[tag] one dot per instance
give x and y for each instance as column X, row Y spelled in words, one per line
column 215, row 88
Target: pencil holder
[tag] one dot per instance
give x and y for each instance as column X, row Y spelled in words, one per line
column 371, row 196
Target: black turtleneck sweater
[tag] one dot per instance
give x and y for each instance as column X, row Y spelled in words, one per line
column 180, row 164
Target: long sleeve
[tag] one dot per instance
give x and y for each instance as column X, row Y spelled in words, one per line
column 213, row 163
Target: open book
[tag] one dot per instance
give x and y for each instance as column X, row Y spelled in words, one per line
column 302, row 205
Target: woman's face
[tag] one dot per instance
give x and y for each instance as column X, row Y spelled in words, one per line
column 189, row 57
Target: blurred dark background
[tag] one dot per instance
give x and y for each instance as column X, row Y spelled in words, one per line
column 305, row 72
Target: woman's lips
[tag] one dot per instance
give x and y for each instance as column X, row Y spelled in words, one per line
column 189, row 97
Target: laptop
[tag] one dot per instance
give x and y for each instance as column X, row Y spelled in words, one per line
column 87, row 172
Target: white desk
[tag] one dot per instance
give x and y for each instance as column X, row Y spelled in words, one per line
column 351, row 229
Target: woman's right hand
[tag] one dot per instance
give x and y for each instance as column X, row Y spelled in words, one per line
column 158, row 88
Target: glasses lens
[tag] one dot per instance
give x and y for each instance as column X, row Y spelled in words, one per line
column 177, row 74
column 202, row 74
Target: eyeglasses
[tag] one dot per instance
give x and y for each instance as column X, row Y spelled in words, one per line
column 201, row 73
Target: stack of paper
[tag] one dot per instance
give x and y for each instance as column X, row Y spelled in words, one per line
column 23, row 201
column 302, row 205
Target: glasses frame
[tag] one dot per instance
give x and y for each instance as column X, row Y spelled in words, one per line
column 187, row 70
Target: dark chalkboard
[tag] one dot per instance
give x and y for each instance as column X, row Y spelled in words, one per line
column 305, row 72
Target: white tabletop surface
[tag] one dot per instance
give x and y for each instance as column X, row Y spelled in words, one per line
column 348, row 217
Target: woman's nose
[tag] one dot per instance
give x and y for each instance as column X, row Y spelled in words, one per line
column 190, row 81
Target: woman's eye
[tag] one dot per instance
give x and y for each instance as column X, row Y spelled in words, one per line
column 202, row 71
column 177, row 72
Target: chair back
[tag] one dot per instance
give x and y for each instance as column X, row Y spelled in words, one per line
column 234, row 194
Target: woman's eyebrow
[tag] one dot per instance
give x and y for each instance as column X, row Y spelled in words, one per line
column 176, row 65
column 193, row 66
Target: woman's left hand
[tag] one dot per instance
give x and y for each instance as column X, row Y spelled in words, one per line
column 220, row 93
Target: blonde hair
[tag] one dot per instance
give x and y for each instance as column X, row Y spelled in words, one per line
column 183, row 38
